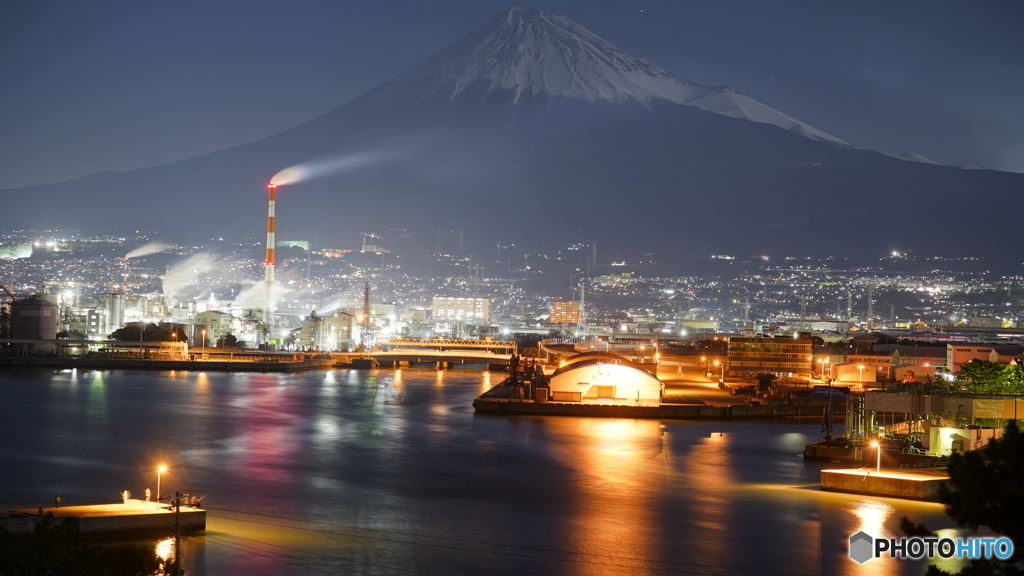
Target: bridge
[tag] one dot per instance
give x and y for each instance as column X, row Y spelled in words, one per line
column 443, row 352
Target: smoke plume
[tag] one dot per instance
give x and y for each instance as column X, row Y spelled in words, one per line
column 327, row 166
column 151, row 248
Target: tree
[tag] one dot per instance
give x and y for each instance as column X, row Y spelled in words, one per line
column 983, row 376
column 986, row 488
column 228, row 340
column 152, row 333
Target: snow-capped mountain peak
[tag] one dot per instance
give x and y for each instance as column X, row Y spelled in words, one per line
column 532, row 52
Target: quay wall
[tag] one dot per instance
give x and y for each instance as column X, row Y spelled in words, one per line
column 142, row 364
column 663, row 411
column 191, row 521
column 882, row 485
column 866, row 455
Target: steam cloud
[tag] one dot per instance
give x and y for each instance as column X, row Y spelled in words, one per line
column 328, row 166
column 151, row 248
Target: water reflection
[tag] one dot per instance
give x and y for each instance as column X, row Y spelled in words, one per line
column 708, row 476
column 416, row 478
column 611, row 458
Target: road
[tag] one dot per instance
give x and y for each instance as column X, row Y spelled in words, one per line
column 691, row 387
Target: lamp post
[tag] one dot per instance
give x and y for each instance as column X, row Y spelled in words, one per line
column 878, row 452
column 707, row 365
column 821, row 368
column 723, row 368
column 160, row 470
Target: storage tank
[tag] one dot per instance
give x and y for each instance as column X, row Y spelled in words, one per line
column 34, row 318
column 113, row 303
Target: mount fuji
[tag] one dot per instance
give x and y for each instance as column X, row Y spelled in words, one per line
column 533, row 127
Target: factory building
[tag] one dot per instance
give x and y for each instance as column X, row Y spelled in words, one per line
column 218, row 324
column 329, row 333
column 453, row 309
column 603, row 377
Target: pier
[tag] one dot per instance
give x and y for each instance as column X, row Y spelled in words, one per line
column 912, row 485
column 133, row 517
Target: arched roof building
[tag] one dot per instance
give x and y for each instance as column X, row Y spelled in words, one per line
column 603, row 376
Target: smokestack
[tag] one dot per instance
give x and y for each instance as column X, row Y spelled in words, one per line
column 269, row 277
column 268, row 314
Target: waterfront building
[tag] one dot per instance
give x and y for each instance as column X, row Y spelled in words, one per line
column 603, row 377
column 782, row 357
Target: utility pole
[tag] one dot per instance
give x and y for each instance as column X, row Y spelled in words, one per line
column 365, row 339
column 849, row 306
column 870, row 322
column 803, row 309
column 177, row 534
column 746, row 310
column 581, row 326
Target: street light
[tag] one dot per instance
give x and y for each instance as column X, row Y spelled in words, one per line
column 723, row 369
column 878, row 463
column 160, row 470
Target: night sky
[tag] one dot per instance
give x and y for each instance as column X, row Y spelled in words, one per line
column 118, row 85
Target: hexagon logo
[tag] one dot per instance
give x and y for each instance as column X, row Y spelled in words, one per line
column 861, row 547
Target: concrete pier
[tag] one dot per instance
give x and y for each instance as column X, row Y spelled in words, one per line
column 130, row 518
column 917, row 485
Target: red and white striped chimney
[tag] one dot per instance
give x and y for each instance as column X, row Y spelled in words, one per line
column 269, row 273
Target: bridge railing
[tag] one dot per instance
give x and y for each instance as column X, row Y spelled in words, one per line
column 445, row 344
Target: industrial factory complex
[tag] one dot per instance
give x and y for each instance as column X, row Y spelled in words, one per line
column 77, row 294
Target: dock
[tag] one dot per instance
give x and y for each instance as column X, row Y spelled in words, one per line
column 911, row 485
column 133, row 517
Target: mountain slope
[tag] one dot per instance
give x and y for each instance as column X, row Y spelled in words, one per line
column 531, row 126
column 531, row 52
